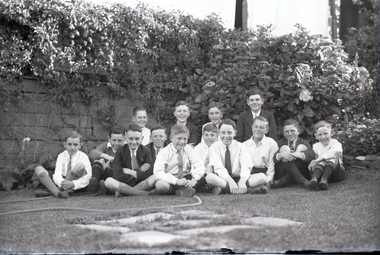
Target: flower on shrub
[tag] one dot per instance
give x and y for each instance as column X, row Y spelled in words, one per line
column 305, row 95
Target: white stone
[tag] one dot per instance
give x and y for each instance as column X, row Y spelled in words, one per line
column 270, row 222
column 149, row 238
column 142, row 218
column 102, row 228
column 217, row 229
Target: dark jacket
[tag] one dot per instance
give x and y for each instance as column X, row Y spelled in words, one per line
column 193, row 130
column 245, row 121
column 123, row 159
column 309, row 153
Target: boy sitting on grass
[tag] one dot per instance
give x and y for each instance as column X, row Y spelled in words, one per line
column 132, row 168
column 103, row 155
column 328, row 166
column 292, row 158
column 140, row 118
column 231, row 164
column 209, row 137
column 158, row 141
column 182, row 113
column 72, row 170
column 178, row 169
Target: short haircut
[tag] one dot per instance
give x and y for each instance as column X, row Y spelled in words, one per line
column 210, row 128
column 322, row 123
column 136, row 109
column 133, row 127
column 179, row 129
column 215, row 104
column 261, row 118
column 72, row 134
column 290, row 122
column 228, row 122
column 115, row 130
column 255, row 91
column 182, row 102
column 156, row 127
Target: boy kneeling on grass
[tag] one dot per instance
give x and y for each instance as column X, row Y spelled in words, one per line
column 232, row 164
column 178, row 169
column 72, row 170
column 329, row 164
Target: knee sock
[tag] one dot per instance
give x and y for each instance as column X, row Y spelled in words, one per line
column 97, row 170
column 287, row 177
column 317, row 173
column 48, row 183
column 329, row 168
column 127, row 190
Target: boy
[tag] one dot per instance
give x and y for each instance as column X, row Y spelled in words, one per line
column 103, row 155
column 215, row 114
column 72, row 170
column 209, row 137
column 178, row 168
column 255, row 99
column 293, row 157
column 132, row 167
column 182, row 112
column 328, row 166
column 140, row 118
column 231, row 163
column 158, row 140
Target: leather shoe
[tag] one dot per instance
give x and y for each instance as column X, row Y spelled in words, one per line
column 323, row 184
column 185, row 192
column 313, row 184
column 216, row 190
column 277, row 184
column 304, row 183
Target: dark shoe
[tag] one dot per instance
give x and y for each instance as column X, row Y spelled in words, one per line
column 278, row 184
column 258, row 190
column 117, row 194
column 43, row 193
column 185, row 192
column 323, row 184
column 313, row 184
column 153, row 192
column 304, row 183
column 92, row 185
column 216, row 190
column 63, row 194
column 102, row 188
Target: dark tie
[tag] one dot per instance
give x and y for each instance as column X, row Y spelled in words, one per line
column 180, row 164
column 291, row 146
column 227, row 161
column 135, row 163
column 68, row 168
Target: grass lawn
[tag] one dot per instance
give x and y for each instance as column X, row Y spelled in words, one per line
column 344, row 218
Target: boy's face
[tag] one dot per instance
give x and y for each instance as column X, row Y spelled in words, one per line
column 215, row 115
column 227, row 134
column 255, row 102
column 259, row 129
column 182, row 112
column 323, row 134
column 291, row 132
column 158, row 138
column 116, row 141
column 141, row 118
column 209, row 137
column 72, row 145
column 133, row 139
column 179, row 141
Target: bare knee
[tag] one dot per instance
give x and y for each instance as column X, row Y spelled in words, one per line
column 284, row 148
column 301, row 147
column 40, row 170
column 111, row 183
column 162, row 186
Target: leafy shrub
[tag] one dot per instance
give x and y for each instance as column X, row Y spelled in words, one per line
column 360, row 136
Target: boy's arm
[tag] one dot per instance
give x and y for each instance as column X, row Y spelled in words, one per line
column 270, row 168
column 57, row 176
column 246, row 164
column 198, row 167
column 217, row 163
column 147, row 159
column 160, row 166
column 84, row 180
column 309, row 153
column 98, row 151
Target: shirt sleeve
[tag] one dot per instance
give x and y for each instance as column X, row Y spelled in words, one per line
column 84, row 180
column 245, row 162
column 217, row 162
column 58, row 172
column 198, row 167
column 160, row 167
column 272, row 151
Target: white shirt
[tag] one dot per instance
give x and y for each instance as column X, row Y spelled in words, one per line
column 330, row 150
column 203, row 152
column 241, row 163
column 254, row 115
column 166, row 165
column 146, row 136
column 61, row 168
column 262, row 154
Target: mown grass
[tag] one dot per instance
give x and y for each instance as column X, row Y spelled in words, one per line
column 344, row 218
